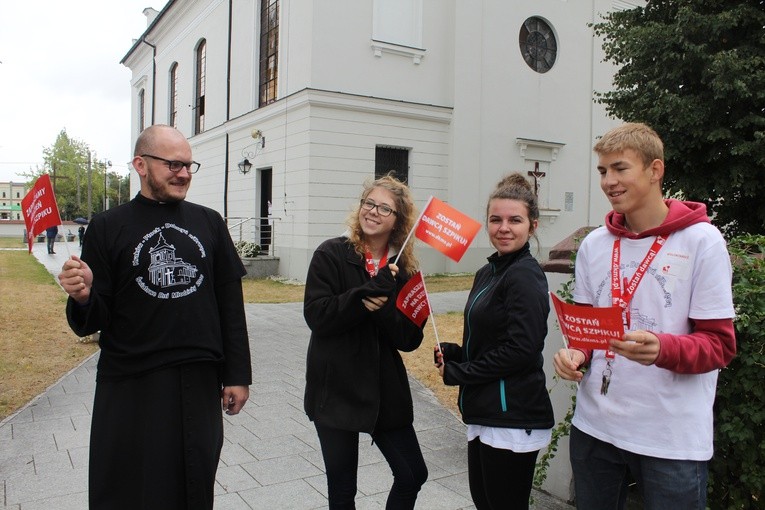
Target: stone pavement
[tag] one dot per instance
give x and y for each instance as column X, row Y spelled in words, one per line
column 271, row 458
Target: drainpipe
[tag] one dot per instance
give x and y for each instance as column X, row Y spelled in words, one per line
column 228, row 62
column 225, row 180
column 153, row 75
column 228, row 112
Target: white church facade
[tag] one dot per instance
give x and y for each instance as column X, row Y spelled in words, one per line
column 317, row 96
column 320, row 96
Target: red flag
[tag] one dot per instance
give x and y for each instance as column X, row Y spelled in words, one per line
column 39, row 208
column 587, row 327
column 413, row 300
column 446, row 229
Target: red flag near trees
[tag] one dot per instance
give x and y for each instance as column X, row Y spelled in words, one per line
column 446, row 229
column 413, row 300
column 39, row 208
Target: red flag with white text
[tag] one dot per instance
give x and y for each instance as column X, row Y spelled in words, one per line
column 446, row 229
column 39, row 209
column 588, row 327
column 413, row 300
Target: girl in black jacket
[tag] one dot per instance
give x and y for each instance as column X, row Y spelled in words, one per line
column 502, row 397
column 355, row 378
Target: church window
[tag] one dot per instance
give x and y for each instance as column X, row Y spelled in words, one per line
column 537, row 44
column 269, row 50
column 173, row 115
column 200, row 74
column 141, row 110
column 392, row 158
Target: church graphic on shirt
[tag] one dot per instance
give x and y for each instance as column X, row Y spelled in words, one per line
column 167, row 270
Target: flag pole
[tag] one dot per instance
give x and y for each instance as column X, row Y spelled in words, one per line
column 562, row 334
column 66, row 242
column 430, row 312
column 63, row 234
column 414, row 227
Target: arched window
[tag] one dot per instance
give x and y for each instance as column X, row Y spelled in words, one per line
column 141, row 110
column 173, row 96
column 269, row 50
column 200, row 71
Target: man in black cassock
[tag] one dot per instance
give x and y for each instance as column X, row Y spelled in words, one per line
column 160, row 278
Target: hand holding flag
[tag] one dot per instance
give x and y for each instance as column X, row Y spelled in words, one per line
column 587, row 327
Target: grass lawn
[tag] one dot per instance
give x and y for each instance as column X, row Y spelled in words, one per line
column 12, row 242
column 37, row 347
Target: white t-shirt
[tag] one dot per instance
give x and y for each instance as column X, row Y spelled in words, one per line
column 650, row 410
column 517, row 440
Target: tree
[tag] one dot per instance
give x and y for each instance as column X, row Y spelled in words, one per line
column 74, row 171
column 695, row 71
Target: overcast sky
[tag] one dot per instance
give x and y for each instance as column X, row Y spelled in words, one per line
column 61, row 69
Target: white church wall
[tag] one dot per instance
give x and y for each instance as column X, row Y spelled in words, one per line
column 333, row 50
column 471, row 61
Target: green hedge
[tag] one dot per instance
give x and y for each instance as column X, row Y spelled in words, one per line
column 737, row 470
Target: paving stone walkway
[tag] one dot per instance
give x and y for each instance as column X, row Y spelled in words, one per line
column 271, row 458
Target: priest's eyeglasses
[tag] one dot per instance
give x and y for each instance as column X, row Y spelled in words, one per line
column 382, row 209
column 176, row 166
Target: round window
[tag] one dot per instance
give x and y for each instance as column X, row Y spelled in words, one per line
column 538, row 45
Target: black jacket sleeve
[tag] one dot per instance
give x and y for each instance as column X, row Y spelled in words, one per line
column 237, row 369
column 332, row 304
column 89, row 318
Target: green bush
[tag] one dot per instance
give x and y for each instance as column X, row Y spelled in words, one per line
column 736, row 474
column 247, row 249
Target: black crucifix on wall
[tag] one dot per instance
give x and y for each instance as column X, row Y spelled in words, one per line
column 536, row 174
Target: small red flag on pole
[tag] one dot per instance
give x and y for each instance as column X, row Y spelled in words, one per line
column 413, row 300
column 587, row 327
column 39, row 209
column 446, row 229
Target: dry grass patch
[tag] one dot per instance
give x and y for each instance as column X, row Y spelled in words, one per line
column 12, row 242
column 36, row 346
column 268, row 290
column 419, row 363
column 272, row 290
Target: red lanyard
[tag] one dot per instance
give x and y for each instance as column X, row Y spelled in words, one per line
column 370, row 262
column 622, row 298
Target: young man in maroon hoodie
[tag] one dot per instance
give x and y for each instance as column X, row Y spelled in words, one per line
column 645, row 405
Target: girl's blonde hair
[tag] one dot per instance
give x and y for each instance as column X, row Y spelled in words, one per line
column 406, row 214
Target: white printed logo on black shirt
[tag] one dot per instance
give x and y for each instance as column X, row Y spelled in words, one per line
column 168, row 276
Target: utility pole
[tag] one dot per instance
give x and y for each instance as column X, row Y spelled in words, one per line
column 79, row 200
column 90, row 189
column 54, row 177
column 107, row 165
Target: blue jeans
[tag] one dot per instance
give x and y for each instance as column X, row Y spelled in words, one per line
column 340, row 450
column 600, row 477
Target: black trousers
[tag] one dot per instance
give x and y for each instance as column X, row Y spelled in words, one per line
column 155, row 440
column 340, row 449
column 500, row 479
